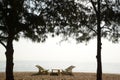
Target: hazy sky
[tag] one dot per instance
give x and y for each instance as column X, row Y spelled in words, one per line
column 53, row 50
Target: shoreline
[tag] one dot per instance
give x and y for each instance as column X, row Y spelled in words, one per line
column 76, row 76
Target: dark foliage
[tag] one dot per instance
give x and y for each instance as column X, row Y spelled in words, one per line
column 34, row 19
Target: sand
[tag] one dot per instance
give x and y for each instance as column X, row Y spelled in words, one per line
column 77, row 76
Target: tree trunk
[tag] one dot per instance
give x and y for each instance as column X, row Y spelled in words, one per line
column 9, row 59
column 99, row 63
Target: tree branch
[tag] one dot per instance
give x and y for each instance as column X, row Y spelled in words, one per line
column 3, row 37
column 3, row 44
column 93, row 30
column 2, row 27
column 93, row 4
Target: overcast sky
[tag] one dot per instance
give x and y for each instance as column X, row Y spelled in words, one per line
column 53, row 50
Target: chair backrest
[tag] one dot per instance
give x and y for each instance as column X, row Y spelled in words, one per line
column 69, row 69
column 41, row 68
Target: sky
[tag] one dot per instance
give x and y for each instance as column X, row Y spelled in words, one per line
column 54, row 50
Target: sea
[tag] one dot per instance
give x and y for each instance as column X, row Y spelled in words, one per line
column 29, row 66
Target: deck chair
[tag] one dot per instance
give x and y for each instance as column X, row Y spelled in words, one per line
column 68, row 71
column 41, row 70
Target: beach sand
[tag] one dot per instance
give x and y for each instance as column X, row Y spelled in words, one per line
column 77, row 76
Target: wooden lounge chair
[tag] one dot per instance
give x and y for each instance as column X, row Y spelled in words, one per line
column 68, row 71
column 42, row 71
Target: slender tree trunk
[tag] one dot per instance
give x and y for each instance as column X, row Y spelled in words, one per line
column 9, row 59
column 99, row 62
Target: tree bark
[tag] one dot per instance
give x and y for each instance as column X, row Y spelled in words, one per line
column 9, row 58
column 99, row 62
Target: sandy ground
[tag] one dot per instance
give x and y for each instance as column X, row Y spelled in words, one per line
column 77, row 76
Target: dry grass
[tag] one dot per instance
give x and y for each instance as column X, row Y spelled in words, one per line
column 77, row 76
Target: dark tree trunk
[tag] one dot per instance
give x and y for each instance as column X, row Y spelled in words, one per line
column 9, row 59
column 99, row 62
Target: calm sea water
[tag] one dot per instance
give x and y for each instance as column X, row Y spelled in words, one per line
column 20, row 66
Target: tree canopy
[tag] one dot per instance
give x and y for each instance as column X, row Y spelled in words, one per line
column 32, row 19
column 35, row 19
column 85, row 27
